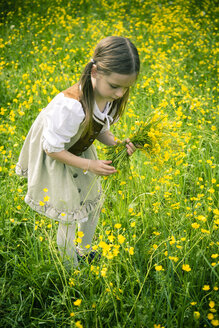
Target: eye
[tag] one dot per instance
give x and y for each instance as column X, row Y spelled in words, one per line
column 113, row 86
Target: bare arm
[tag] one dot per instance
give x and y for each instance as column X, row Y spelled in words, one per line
column 107, row 138
column 99, row 167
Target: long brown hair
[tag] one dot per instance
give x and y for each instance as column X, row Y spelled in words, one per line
column 113, row 54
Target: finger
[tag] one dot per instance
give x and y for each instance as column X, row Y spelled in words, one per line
column 130, row 148
column 131, row 145
column 109, row 168
column 106, row 173
column 106, row 162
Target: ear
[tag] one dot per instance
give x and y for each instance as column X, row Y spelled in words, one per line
column 94, row 71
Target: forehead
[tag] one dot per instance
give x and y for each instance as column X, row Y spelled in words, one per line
column 121, row 80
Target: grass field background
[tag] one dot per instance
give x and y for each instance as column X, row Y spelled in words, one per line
column 158, row 230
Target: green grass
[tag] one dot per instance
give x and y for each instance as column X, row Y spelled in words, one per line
column 167, row 206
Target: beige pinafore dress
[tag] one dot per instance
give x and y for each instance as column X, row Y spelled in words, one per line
column 56, row 190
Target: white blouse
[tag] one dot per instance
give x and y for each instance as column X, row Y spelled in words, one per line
column 63, row 117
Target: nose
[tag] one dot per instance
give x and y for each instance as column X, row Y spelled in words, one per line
column 119, row 92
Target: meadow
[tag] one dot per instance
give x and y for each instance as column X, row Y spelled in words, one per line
column 158, row 229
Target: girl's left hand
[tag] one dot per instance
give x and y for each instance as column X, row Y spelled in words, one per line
column 130, row 147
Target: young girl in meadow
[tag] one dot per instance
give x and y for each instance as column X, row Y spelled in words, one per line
column 58, row 156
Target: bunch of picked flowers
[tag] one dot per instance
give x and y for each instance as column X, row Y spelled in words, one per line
column 147, row 138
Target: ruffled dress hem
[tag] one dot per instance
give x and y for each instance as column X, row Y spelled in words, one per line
column 79, row 215
column 20, row 171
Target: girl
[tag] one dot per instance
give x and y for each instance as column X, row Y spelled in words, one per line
column 58, row 156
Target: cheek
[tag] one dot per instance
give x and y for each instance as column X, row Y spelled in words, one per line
column 107, row 89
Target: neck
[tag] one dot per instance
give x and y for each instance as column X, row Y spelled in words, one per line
column 101, row 104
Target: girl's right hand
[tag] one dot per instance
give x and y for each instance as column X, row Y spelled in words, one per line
column 101, row 167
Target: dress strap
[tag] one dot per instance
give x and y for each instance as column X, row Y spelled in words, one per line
column 86, row 141
column 73, row 92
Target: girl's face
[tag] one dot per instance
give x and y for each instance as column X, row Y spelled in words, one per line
column 110, row 87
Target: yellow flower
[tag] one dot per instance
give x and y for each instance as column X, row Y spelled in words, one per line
column 174, row 258
column 201, row 218
column 72, row 314
column 186, row 267
column 131, row 250
column 216, row 211
column 78, row 324
column 173, row 240
column 45, row 189
column 103, row 272
column 46, row 198
column 133, row 224
column 210, row 316
column 111, row 238
column 205, row 231
column 71, row 282
column 211, row 304
column 193, row 303
column 121, row 239
column 159, row 268
column 80, row 234
column 195, row 225
column 215, row 323
column 41, row 203
column 78, row 302
column 206, row 287
column 117, row 225
column 196, row 315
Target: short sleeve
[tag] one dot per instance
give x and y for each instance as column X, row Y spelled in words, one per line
column 63, row 117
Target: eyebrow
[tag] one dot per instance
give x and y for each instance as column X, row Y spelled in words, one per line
column 116, row 85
